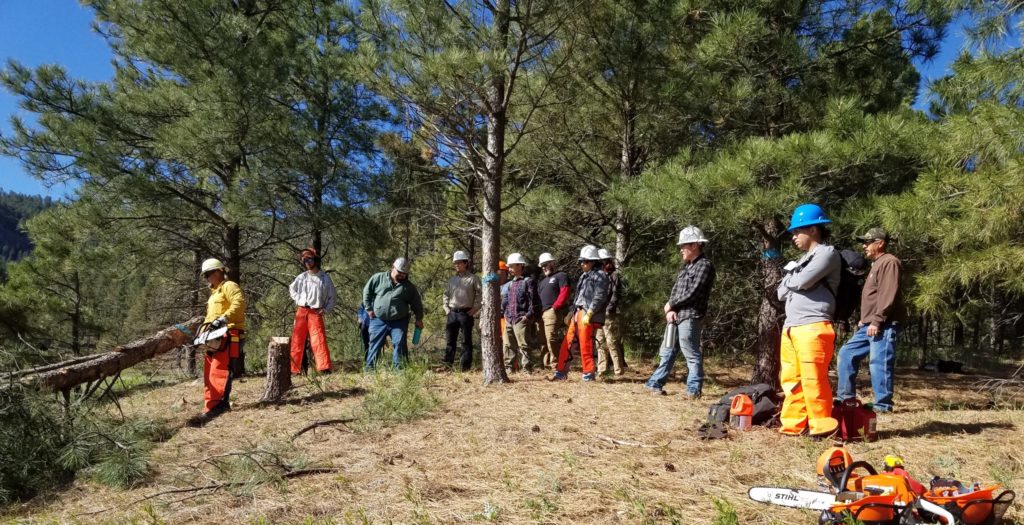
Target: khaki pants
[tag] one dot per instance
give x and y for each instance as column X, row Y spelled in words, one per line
column 609, row 341
column 518, row 346
column 554, row 330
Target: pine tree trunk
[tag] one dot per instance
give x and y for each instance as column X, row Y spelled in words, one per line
column 279, row 369
column 770, row 314
column 472, row 218
column 76, row 315
column 629, row 166
column 494, row 169
column 232, row 245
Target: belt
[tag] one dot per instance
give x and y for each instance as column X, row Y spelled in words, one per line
column 461, row 310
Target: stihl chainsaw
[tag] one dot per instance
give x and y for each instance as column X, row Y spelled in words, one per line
column 889, row 498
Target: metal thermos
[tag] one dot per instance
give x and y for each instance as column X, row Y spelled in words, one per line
column 671, row 336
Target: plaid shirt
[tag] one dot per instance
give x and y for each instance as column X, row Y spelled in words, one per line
column 689, row 298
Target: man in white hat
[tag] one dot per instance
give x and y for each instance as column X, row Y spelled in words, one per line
column 553, row 290
column 609, row 337
column 590, row 304
column 389, row 298
column 461, row 301
column 686, row 307
column 519, row 309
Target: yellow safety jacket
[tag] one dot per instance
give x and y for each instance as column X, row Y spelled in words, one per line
column 227, row 300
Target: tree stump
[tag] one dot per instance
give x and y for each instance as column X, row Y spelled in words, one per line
column 279, row 369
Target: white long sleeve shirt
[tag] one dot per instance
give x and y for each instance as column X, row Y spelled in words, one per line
column 313, row 290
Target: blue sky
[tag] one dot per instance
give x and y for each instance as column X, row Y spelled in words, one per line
column 36, row 32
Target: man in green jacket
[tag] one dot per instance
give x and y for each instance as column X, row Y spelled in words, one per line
column 389, row 297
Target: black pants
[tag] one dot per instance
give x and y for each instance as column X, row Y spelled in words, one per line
column 364, row 335
column 459, row 320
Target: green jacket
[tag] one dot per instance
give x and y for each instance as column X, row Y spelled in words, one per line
column 390, row 300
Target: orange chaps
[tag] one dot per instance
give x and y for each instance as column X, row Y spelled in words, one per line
column 217, row 373
column 579, row 339
column 806, row 354
column 308, row 321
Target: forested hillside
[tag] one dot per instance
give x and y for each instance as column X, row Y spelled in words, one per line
column 14, row 208
column 247, row 131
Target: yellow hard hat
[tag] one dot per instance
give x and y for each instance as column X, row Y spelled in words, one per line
column 210, row 265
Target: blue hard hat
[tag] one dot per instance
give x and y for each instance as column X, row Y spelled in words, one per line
column 807, row 215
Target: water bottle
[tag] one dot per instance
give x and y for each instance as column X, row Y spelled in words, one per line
column 416, row 335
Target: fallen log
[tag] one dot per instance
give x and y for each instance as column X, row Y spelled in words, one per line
column 69, row 374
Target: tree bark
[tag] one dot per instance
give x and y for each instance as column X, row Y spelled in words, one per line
column 493, row 170
column 76, row 315
column 629, row 167
column 104, row 365
column 233, row 247
column 279, row 369
column 771, row 312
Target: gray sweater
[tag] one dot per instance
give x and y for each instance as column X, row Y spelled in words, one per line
column 808, row 299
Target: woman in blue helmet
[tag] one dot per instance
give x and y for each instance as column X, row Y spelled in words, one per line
column 808, row 340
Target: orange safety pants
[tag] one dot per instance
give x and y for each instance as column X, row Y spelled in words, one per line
column 311, row 322
column 579, row 339
column 217, row 374
column 806, row 354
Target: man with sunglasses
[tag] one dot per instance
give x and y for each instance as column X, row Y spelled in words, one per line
column 881, row 315
column 224, row 308
column 389, row 298
column 314, row 295
column 461, row 300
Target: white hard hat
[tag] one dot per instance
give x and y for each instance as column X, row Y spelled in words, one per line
column 691, row 234
column 589, row 253
column 605, row 254
column 515, row 258
column 211, row 264
column 402, row 265
column 460, row 256
column 545, row 258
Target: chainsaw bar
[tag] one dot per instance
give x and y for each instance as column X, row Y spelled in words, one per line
column 795, row 498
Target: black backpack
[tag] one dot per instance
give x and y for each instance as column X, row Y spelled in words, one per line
column 767, row 403
column 853, row 271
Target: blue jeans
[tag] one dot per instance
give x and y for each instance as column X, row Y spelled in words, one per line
column 379, row 330
column 881, row 351
column 689, row 343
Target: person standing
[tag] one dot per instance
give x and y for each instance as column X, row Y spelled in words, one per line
column 553, row 292
column 461, row 301
column 518, row 309
column 363, row 321
column 314, row 295
column 808, row 338
column 390, row 299
column 882, row 313
column 609, row 337
column 685, row 310
column 224, row 308
column 588, row 316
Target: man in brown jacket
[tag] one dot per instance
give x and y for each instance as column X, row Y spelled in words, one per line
column 881, row 317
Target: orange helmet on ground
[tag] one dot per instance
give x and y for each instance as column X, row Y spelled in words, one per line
column 835, row 460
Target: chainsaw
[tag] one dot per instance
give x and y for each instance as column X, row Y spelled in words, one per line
column 877, row 499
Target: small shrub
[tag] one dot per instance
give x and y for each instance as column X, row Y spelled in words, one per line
column 396, row 397
column 725, row 513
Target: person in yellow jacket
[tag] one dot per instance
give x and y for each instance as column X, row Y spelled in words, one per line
column 225, row 307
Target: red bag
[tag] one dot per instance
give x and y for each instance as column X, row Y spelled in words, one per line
column 856, row 421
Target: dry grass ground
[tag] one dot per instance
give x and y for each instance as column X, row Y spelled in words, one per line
column 528, row 452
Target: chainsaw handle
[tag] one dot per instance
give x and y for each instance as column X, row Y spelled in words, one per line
column 849, row 470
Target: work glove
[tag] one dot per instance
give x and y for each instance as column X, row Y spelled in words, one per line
column 218, row 322
column 586, row 317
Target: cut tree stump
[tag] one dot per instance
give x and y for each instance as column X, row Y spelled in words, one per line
column 279, row 369
column 63, row 376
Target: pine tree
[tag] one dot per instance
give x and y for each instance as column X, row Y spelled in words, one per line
column 468, row 76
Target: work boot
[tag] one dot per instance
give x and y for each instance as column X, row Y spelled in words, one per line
column 658, row 391
column 559, row 376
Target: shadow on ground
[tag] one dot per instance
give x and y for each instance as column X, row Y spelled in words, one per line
column 942, row 428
